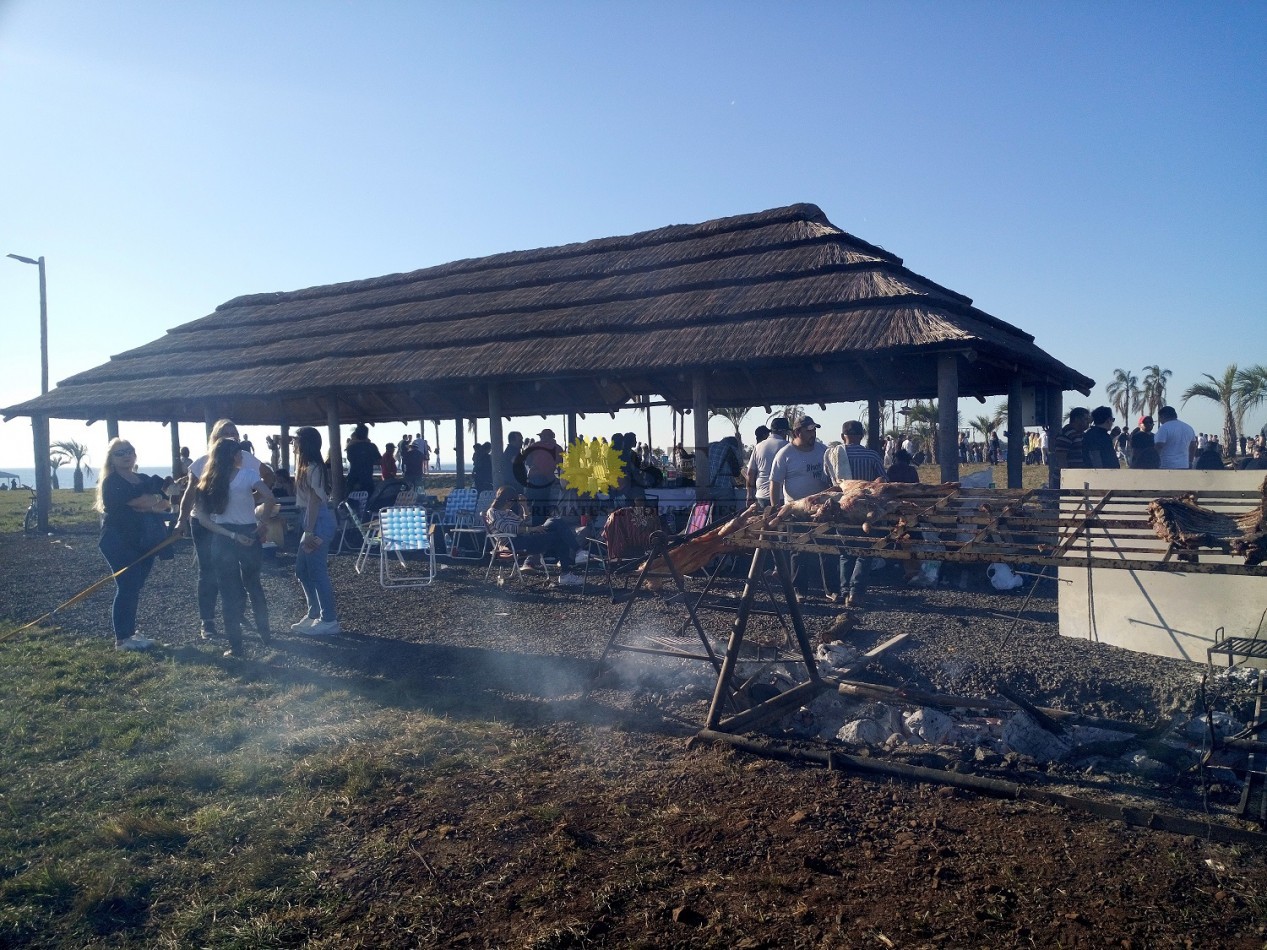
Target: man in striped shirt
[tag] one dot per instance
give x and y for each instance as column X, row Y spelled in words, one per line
column 842, row 462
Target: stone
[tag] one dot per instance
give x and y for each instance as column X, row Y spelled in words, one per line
column 867, row 731
column 1025, row 737
column 931, row 725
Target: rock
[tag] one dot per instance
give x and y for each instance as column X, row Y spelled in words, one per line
column 930, row 725
column 867, row 731
column 1150, row 768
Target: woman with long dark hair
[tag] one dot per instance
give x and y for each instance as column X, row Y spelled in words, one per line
column 312, row 497
column 125, row 498
column 225, row 507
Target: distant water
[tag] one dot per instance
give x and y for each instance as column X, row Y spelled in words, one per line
column 65, row 476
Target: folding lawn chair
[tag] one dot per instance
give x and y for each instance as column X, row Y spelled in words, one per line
column 351, row 516
column 467, row 540
column 405, row 529
column 625, row 543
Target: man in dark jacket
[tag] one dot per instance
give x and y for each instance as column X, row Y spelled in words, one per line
column 1097, row 445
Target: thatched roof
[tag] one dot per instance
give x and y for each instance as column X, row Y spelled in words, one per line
column 777, row 307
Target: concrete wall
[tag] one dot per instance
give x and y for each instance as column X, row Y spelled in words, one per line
column 1167, row 613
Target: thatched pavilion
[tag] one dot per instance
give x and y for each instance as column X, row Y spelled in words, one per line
column 771, row 308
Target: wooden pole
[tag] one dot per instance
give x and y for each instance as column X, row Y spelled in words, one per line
column 699, row 407
column 335, row 454
column 496, row 436
column 875, row 442
column 948, row 415
column 459, row 450
column 43, row 476
column 1015, row 433
column 177, row 468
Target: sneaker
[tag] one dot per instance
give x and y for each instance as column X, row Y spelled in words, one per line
column 134, row 642
column 208, row 630
column 581, row 557
column 303, row 625
column 323, row 628
column 570, row 580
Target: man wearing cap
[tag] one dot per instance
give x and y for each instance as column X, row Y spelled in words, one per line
column 758, row 473
column 1141, row 452
column 797, row 472
column 841, row 462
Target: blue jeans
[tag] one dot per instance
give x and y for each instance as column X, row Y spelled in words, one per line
column 853, row 575
column 237, row 570
column 208, row 585
column 314, row 573
column 119, row 553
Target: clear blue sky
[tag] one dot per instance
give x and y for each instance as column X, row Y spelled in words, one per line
column 1091, row 172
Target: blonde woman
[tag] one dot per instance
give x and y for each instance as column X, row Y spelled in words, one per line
column 125, row 497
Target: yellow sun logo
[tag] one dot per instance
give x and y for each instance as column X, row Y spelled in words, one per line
column 591, row 467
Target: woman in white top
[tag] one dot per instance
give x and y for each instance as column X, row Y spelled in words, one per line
column 225, row 507
column 312, row 497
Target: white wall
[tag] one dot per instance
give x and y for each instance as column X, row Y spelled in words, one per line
column 1166, row 613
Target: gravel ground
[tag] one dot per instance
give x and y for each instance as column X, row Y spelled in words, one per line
column 530, row 647
column 626, row 836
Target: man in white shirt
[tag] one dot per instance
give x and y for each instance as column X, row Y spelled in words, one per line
column 1175, row 440
column 758, row 475
column 797, row 473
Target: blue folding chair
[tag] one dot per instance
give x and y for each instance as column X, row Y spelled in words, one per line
column 405, row 529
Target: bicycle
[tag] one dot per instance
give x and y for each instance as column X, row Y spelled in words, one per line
column 30, row 527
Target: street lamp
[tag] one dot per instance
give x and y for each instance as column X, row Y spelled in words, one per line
column 43, row 320
column 39, row 423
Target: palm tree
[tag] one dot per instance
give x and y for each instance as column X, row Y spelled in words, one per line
column 922, row 418
column 1251, row 391
column 56, row 460
column 1222, row 391
column 792, row 413
column 1124, row 393
column 985, row 425
column 1153, row 388
column 732, row 415
column 79, row 453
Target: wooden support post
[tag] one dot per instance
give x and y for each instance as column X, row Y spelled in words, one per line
column 948, row 416
column 570, row 428
column 1015, row 433
column 177, row 469
column 699, row 409
column 496, row 436
column 459, row 450
column 112, row 429
column 209, row 421
column 875, row 427
column 1055, row 420
column 285, row 456
column 43, row 472
column 335, row 455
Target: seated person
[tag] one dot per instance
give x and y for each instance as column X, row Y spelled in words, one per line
column 284, row 486
column 1210, row 457
column 902, row 470
column 510, row 514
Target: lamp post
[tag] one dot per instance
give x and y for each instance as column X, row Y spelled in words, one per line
column 43, row 320
column 43, row 490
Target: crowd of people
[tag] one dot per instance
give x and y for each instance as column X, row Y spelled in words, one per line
column 226, row 499
column 226, row 502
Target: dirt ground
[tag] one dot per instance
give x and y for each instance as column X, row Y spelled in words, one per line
column 622, row 834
